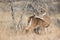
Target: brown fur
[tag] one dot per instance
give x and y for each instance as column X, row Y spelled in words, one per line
column 35, row 22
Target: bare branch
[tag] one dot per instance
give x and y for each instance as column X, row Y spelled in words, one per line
column 12, row 13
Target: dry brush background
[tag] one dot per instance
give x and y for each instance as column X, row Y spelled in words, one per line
column 9, row 31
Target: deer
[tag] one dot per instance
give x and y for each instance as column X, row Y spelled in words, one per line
column 34, row 21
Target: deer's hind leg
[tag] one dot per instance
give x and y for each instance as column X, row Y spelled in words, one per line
column 41, row 27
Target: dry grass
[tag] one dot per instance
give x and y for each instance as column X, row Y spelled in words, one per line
column 53, row 32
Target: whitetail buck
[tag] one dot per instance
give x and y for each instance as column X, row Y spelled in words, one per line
column 34, row 21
